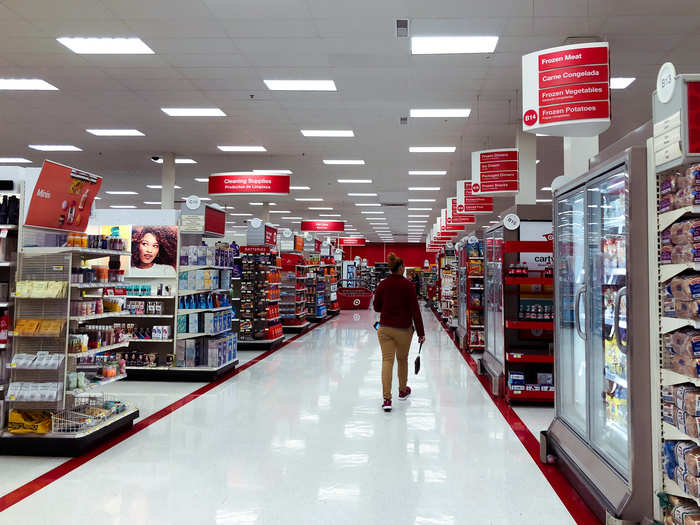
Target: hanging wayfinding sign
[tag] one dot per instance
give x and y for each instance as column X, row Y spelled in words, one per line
column 495, row 172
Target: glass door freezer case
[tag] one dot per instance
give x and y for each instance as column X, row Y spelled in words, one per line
column 602, row 428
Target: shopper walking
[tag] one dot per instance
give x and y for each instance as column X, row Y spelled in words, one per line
column 395, row 299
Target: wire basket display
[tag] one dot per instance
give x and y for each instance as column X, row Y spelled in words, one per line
column 88, row 412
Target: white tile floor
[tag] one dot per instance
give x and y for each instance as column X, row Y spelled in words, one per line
column 299, row 439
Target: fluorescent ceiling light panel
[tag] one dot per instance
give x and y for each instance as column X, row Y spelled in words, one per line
column 193, row 112
column 362, row 194
column 274, row 172
column 115, row 132
column 330, row 215
column 367, row 204
column 543, row 200
column 26, row 84
column 546, row 188
column 320, row 208
column 418, row 215
column 330, row 133
column 621, row 82
column 419, row 209
column 424, row 188
column 256, row 203
column 355, row 181
column 299, row 187
column 152, row 202
column 432, row 149
column 427, row 172
column 241, row 214
column 447, row 45
column 300, row 85
column 159, row 186
column 308, row 199
column 417, row 222
column 106, row 46
column 350, row 162
column 129, row 206
column 242, row 149
column 373, row 213
column 440, row 113
column 421, row 200
column 54, row 147
column 201, row 179
column 204, row 199
column 291, row 218
column 181, row 160
column 14, row 160
column 121, row 192
column 280, row 211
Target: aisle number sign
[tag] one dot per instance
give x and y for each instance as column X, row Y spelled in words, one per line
column 454, row 216
column 566, row 90
column 469, row 203
column 495, row 172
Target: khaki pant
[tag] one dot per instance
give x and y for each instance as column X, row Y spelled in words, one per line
column 395, row 343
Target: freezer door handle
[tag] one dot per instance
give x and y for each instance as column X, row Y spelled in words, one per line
column 618, row 298
column 577, row 311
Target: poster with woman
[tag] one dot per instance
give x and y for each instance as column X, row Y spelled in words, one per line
column 153, row 251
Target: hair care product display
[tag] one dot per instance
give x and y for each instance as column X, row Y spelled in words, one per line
column 292, row 291
column 212, row 256
column 316, row 307
column 474, row 295
column 260, row 297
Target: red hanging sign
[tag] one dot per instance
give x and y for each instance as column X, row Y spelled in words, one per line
column 62, row 198
column 322, row 226
column 495, row 171
column 248, row 184
column 214, row 220
column 270, row 235
column 468, row 203
column 351, row 241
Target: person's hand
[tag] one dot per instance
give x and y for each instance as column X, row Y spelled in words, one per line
column 421, row 339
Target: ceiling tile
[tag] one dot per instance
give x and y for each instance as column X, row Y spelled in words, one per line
column 65, row 9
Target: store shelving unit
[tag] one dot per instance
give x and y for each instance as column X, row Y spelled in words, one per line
column 448, row 289
column 54, row 389
column 331, row 290
column 316, row 308
column 292, row 303
column 474, row 297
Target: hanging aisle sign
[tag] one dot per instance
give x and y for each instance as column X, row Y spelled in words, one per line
column 455, row 217
column 468, row 203
column 495, row 172
column 322, row 226
column 351, row 241
column 566, row 90
column 224, row 184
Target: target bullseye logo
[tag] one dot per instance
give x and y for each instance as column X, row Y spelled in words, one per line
column 356, row 302
column 475, row 188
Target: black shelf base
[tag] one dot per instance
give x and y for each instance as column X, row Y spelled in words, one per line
column 296, row 329
column 176, row 374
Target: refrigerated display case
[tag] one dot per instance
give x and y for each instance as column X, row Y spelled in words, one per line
column 602, row 428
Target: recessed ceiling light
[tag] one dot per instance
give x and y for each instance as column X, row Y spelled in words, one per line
column 229, row 207
column 14, row 160
column 241, row 214
column 320, row 208
column 356, row 162
column 543, row 200
column 333, row 133
column 424, row 188
column 621, row 82
column 193, row 112
column 291, row 218
column 372, row 212
column 493, row 222
column 427, row 172
column 355, row 181
column 239, row 227
column 410, row 215
column 308, row 199
column 52, row 147
column 180, row 160
column 121, row 192
column 280, row 211
column 242, row 149
column 421, row 200
column 204, row 198
column 300, row 85
column 546, row 188
column 432, row 149
column 330, row 215
column 367, row 204
column 201, row 179
column 152, row 202
column 299, row 188
column 440, row 113
column 444, row 45
column 417, row 222
column 274, row 172
column 256, row 203
column 537, row 161
column 362, row 194
column 115, row 132
column 159, row 186
column 26, row 84
column 106, row 46
column 419, row 209
column 129, row 206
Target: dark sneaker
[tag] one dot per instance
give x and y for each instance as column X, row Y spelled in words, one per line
column 404, row 395
column 387, row 405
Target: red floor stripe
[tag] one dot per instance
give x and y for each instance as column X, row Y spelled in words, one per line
column 566, row 492
column 31, row 487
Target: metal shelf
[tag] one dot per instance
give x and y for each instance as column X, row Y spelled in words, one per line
column 99, row 350
column 192, row 292
column 136, row 340
column 669, row 271
column 85, row 253
column 672, row 433
column 182, row 311
column 126, row 296
column 670, row 378
column 203, row 267
column 669, row 324
column 93, row 386
column 201, row 334
column 672, row 488
column 616, row 379
column 669, row 217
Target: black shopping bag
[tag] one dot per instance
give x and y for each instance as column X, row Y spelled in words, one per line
column 416, row 365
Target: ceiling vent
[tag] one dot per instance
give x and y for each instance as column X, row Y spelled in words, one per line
column 402, row 28
column 404, row 121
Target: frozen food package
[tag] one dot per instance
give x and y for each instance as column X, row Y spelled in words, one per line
column 686, row 515
column 685, row 288
column 688, row 179
column 687, row 309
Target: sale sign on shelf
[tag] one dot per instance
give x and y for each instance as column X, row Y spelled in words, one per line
column 351, row 241
column 468, row 203
column 62, row 198
column 495, row 172
column 322, row 226
column 566, row 90
column 224, row 184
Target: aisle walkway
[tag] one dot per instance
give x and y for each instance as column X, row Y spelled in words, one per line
column 299, row 438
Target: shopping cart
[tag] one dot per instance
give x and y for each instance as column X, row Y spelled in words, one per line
column 355, row 297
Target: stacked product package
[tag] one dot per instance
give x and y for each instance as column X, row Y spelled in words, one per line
column 213, row 352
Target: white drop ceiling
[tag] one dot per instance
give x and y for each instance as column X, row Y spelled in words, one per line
column 216, row 53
